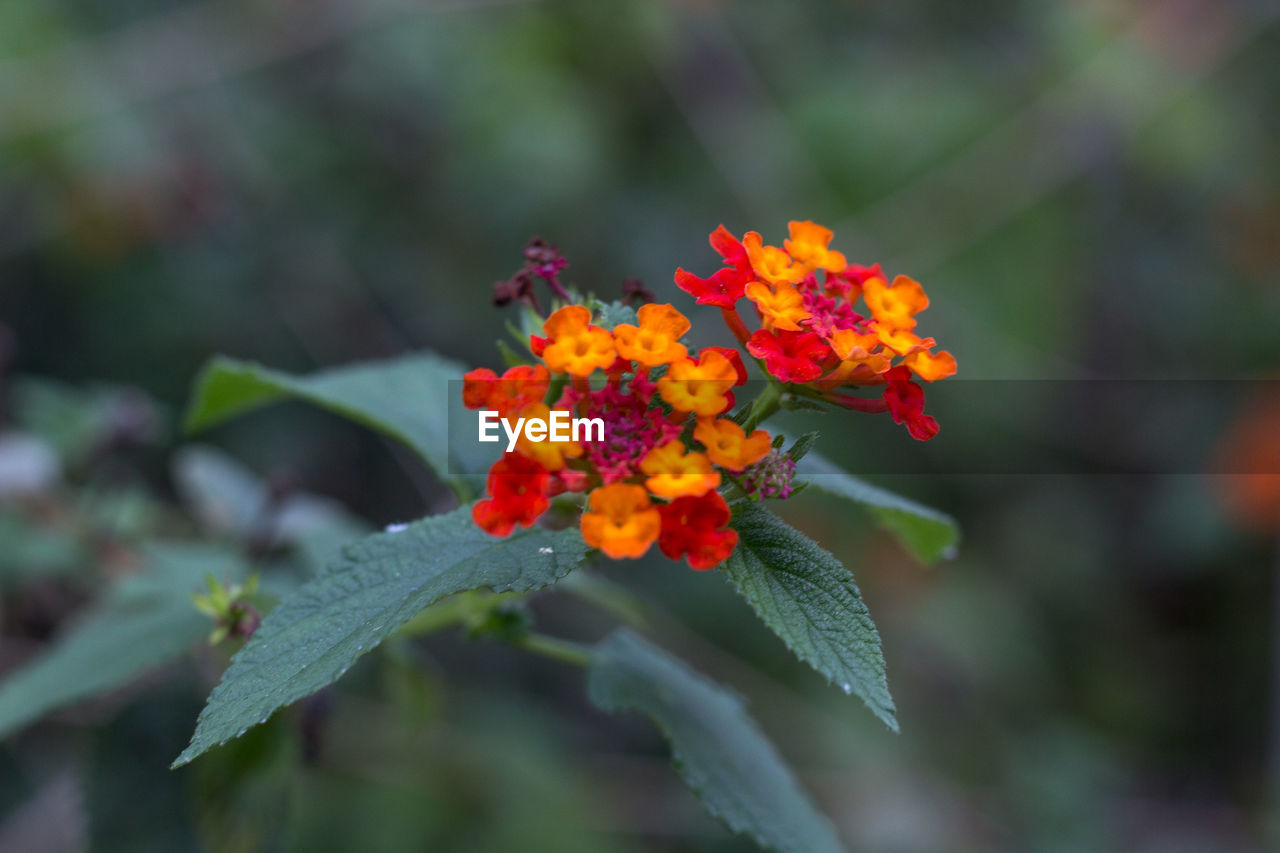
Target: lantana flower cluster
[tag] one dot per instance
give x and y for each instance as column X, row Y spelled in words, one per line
column 670, row 446
column 667, row 446
column 811, row 334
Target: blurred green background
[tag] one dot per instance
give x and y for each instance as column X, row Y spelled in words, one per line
column 1086, row 189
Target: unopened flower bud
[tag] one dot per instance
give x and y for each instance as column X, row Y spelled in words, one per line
column 544, row 260
column 633, row 291
column 770, row 477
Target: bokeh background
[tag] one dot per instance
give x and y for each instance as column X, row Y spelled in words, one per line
column 1089, row 190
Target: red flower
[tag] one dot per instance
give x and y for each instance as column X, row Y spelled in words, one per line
column 790, row 356
column 862, row 275
column 848, row 282
column 477, row 387
column 696, row 528
column 567, row 480
column 906, row 404
column 725, row 287
column 518, row 487
column 516, row 388
column 730, row 248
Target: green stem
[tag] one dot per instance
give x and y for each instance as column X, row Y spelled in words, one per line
column 463, row 491
column 806, row 391
column 553, row 647
column 465, row 607
column 766, row 404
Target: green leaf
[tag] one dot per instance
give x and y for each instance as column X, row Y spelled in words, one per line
column 809, row 599
column 75, row 420
column 407, row 398
column 510, row 357
column 612, row 314
column 378, row 584
column 803, row 404
column 717, row 748
column 926, row 533
column 610, row 597
column 802, row 446
column 531, row 323
column 229, row 498
column 33, row 550
column 144, row 621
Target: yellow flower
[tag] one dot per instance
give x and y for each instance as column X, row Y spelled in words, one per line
column 574, row 345
column 675, row 473
column 621, row 521
column 771, row 263
column 808, row 245
column 656, row 340
column 931, row 367
column 781, row 305
column 547, row 453
column 702, row 386
column 728, row 444
column 902, row 341
column 895, row 305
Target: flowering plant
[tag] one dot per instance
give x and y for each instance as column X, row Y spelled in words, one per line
column 678, row 461
column 671, row 449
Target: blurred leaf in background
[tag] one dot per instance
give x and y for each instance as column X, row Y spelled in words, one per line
column 1088, row 190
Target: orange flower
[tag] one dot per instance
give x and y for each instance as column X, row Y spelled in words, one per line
column 701, row 386
column 1248, row 454
column 931, row 367
column 851, row 343
column 657, row 339
column 859, row 369
column 771, row 263
column 674, row 473
column 735, row 359
column 728, row 444
column 902, row 341
column 574, row 345
column 782, row 305
column 547, row 453
column 895, row 305
column 621, row 521
column 808, row 245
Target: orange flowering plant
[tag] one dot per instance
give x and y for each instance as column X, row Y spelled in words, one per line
column 675, row 452
column 643, row 461
column 811, row 337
